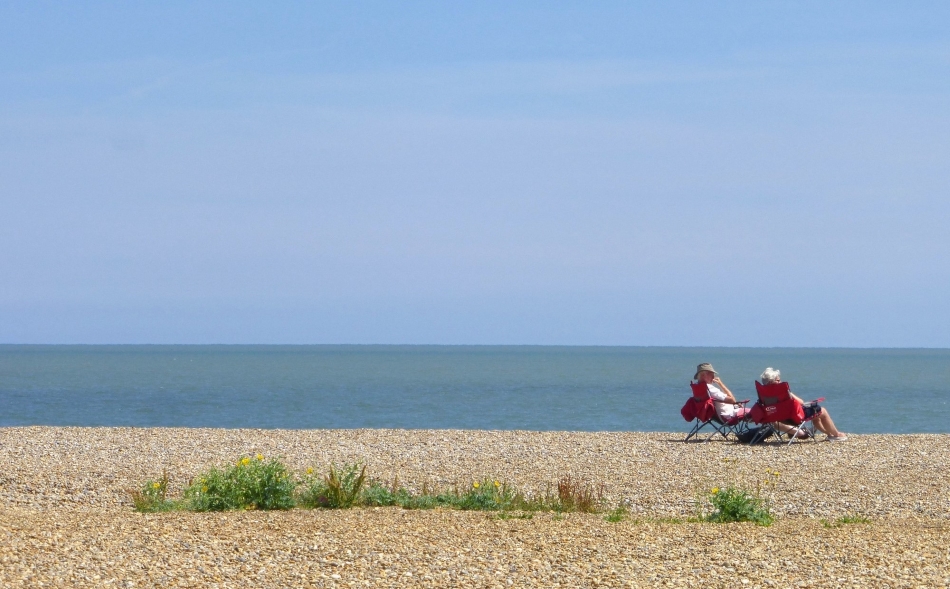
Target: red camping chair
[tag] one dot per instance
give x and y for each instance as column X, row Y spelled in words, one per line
column 776, row 404
column 701, row 410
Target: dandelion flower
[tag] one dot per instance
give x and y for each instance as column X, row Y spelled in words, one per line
column 475, row 485
column 715, row 490
column 204, row 489
column 309, row 470
column 260, row 457
column 245, row 460
column 156, row 485
column 497, row 484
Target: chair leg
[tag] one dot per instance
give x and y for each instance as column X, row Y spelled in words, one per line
column 691, row 433
column 719, row 428
column 697, row 425
column 793, row 436
column 781, row 435
column 716, row 430
column 807, row 427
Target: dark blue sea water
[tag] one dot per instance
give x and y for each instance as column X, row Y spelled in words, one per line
column 471, row 387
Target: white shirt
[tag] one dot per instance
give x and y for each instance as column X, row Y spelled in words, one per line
column 725, row 410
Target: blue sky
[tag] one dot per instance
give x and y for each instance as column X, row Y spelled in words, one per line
column 616, row 173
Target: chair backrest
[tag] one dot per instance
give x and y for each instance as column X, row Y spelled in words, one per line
column 700, row 390
column 770, row 394
column 776, row 404
column 699, row 406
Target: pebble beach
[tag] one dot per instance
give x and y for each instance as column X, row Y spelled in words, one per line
column 66, row 517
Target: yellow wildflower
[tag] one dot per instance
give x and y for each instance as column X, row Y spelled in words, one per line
column 475, row 485
column 309, row 470
column 156, row 485
column 260, row 457
column 204, row 489
column 715, row 490
column 497, row 484
column 245, row 460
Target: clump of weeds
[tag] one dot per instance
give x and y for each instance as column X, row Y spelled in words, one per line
column 617, row 515
column 845, row 520
column 737, row 504
column 338, row 489
column 574, row 495
column 153, row 496
column 251, row 483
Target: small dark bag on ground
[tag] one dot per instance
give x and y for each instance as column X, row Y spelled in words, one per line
column 755, row 435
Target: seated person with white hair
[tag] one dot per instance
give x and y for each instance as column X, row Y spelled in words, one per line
column 822, row 419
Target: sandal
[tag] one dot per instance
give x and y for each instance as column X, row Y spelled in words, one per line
column 838, row 438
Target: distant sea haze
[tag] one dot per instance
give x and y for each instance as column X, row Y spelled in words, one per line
column 451, row 387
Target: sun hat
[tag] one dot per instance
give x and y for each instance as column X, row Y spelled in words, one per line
column 704, row 367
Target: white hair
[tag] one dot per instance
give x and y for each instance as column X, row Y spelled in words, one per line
column 770, row 375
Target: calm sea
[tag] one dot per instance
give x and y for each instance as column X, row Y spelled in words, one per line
column 470, row 387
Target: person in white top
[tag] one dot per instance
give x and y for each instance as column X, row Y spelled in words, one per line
column 726, row 406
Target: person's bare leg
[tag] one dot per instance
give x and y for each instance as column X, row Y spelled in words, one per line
column 823, row 422
column 786, row 429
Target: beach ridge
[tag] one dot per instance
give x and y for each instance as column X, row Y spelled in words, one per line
column 73, row 484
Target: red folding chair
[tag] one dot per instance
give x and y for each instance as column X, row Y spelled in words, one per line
column 701, row 410
column 776, row 405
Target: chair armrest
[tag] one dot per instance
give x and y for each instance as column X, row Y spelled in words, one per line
column 818, row 400
column 742, row 402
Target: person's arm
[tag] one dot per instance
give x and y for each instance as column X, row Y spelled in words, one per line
column 729, row 396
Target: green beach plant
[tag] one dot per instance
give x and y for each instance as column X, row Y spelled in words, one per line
column 617, row 515
column 153, row 496
column 377, row 494
column 251, row 483
column 338, row 489
column 845, row 520
column 737, row 504
column 506, row 515
column 485, row 495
